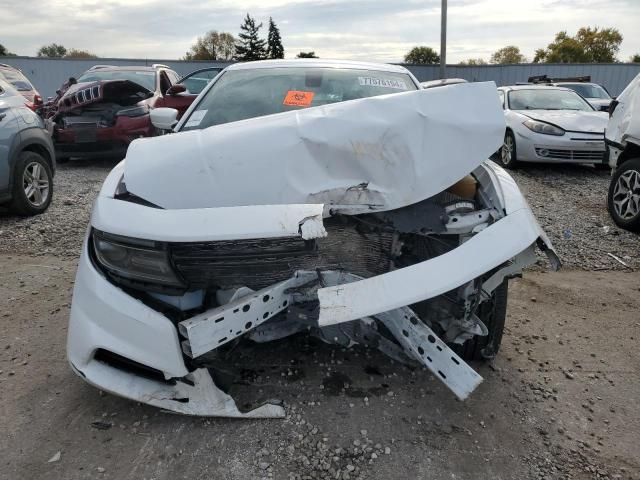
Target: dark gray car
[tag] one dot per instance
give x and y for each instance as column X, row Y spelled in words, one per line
column 27, row 161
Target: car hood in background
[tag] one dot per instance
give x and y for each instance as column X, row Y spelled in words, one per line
column 571, row 120
column 86, row 93
column 378, row 153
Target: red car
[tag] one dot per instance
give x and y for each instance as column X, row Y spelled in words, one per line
column 107, row 107
column 21, row 83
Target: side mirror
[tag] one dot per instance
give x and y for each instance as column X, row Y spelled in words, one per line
column 164, row 118
column 176, row 89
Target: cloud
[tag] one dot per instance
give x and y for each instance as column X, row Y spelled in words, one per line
column 358, row 29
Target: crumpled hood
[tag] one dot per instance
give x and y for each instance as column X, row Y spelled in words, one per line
column 592, row 122
column 86, row 93
column 625, row 121
column 377, row 153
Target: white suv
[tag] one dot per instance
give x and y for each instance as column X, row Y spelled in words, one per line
column 623, row 143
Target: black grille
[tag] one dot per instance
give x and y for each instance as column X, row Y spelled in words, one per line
column 358, row 248
column 576, row 155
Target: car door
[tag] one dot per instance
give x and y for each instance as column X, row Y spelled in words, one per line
column 193, row 83
column 8, row 130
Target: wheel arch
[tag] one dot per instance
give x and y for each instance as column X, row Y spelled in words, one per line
column 631, row 150
column 32, row 140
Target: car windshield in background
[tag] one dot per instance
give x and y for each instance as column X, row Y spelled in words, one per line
column 15, row 78
column 196, row 81
column 543, row 99
column 588, row 91
column 143, row 78
column 242, row 94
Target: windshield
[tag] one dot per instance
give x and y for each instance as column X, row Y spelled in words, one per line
column 196, row 81
column 588, row 90
column 17, row 79
column 145, row 79
column 242, row 94
column 543, row 99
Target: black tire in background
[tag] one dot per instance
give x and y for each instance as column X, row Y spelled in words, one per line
column 620, row 210
column 503, row 159
column 20, row 202
column 493, row 313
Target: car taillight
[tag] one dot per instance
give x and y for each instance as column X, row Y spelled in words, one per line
column 37, row 101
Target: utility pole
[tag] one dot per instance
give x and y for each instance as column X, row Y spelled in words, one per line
column 443, row 39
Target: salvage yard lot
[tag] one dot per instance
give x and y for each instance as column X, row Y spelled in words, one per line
column 557, row 403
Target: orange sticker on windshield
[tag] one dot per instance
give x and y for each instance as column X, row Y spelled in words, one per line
column 297, row 98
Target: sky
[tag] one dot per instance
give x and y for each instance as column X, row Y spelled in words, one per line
column 376, row 30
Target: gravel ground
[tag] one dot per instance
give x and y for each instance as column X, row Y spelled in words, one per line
column 569, row 201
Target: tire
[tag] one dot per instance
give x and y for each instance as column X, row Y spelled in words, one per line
column 41, row 187
column 623, row 199
column 493, row 313
column 508, row 153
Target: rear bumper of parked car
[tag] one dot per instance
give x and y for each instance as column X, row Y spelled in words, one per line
column 569, row 148
column 120, row 345
column 101, row 141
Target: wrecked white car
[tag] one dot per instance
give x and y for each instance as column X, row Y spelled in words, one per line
column 369, row 218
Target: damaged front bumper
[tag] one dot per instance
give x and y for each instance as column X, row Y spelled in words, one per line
column 123, row 346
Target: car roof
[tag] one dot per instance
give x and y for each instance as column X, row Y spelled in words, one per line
column 111, row 68
column 533, row 86
column 576, row 83
column 318, row 63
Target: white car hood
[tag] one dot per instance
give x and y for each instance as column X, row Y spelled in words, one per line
column 625, row 121
column 377, row 153
column 570, row 120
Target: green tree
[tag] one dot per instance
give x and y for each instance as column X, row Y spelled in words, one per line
column 307, row 55
column 473, row 61
column 75, row 53
column 213, row 46
column 5, row 53
column 53, row 51
column 589, row 45
column 422, row 55
column 250, row 46
column 635, row 58
column 600, row 45
column 507, row 55
column 274, row 41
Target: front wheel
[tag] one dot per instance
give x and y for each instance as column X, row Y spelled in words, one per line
column 508, row 152
column 493, row 313
column 623, row 200
column 32, row 184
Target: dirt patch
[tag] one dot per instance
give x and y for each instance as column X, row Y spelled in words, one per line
column 558, row 403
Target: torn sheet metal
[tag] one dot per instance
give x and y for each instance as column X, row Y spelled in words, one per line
column 196, row 394
column 377, row 153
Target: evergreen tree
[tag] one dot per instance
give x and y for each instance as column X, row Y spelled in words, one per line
column 274, row 42
column 250, row 46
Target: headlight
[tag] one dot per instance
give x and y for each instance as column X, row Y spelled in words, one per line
column 542, row 127
column 134, row 112
column 135, row 259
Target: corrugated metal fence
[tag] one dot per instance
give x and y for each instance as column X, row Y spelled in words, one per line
column 47, row 74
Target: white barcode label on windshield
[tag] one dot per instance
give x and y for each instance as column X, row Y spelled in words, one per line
column 382, row 82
